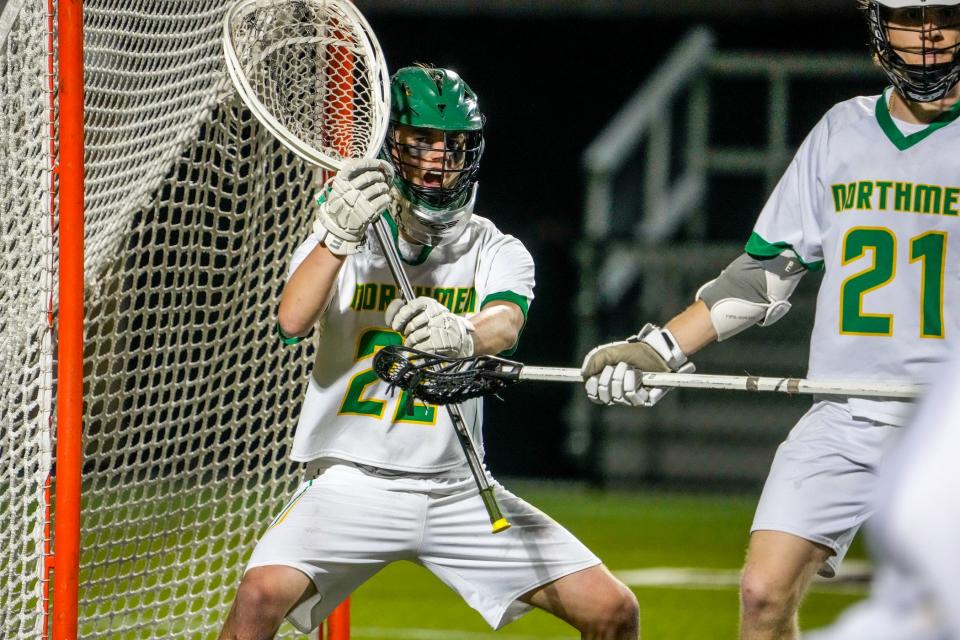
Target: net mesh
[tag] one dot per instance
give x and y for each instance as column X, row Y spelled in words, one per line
column 26, row 262
column 193, row 210
column 279, row 47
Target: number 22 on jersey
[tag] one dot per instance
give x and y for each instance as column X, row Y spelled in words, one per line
column 355, row 401
column 929, row 249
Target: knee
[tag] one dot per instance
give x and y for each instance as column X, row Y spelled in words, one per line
column 627, row 615
column 624, row 611
column 618, row 617
column 761, row 599
column 259, row 600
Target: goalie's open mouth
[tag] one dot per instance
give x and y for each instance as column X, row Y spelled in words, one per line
column 432, row 179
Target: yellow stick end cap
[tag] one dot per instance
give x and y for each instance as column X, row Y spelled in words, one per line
column 501, row 525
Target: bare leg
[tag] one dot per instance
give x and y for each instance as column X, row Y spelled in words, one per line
column 778, row 571
column 264, row 597
column 593, row 601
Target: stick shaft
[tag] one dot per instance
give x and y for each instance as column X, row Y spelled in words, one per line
column 497, row 520
column 864, row 388
column 382, row 232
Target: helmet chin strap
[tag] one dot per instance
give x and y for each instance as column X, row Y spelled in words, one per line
column 433, row 227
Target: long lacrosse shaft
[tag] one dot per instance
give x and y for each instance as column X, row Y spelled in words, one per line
column 864, row 388
column 382, row 231
column 497, row 521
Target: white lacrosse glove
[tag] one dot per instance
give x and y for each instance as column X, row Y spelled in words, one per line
column 429, row 326
column 350, row 202
column 612, row 371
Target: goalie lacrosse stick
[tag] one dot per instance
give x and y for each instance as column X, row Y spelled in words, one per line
column 312, row 72
column 440, row 380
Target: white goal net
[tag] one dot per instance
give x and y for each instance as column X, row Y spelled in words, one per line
column 192, row 212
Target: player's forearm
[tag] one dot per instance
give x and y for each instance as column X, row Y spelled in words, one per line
column 307, row 292
column 693, row 328
column 498, row 326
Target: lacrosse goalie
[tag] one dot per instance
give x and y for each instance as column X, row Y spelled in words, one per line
column 871, row 199
column 389, row 480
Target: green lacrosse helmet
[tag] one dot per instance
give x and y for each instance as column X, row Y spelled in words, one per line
column 434, row 98
column 434, row 143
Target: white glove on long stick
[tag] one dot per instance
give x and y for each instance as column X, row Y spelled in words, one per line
column 612, row 371
column 429, row 326
column 356, row 195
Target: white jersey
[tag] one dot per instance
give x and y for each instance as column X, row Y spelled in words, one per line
column 349, row 413
column 875, row 202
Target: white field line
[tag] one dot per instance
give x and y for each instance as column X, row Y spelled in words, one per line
column 440, row 634
column 853, row 578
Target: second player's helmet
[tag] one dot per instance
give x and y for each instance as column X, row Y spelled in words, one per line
column 434, row 143
column 931, row 79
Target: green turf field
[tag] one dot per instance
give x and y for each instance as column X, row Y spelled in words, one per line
column 644, row 537
column 629, row 531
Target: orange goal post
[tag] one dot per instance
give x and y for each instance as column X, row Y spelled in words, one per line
column 148, row 405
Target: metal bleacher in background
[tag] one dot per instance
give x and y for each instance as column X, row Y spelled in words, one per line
column 653, row 233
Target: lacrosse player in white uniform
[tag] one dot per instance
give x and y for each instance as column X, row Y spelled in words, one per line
column 388, row 480
column 914, row 531
column 871, row 198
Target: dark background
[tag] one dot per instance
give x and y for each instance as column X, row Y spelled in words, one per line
column 547, row 85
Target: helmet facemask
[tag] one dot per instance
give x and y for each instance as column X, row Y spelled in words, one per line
column 938, row 51
column 435, row 168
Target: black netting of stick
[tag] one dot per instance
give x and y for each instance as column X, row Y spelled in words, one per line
column 442, row 380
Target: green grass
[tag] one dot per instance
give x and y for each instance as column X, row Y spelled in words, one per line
column 628, row 531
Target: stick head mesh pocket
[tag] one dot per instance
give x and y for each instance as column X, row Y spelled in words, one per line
column 441, row 380
column 313, row 73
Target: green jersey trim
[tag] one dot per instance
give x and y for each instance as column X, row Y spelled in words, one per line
column 395, row 232
column 285, row 339
column 517, row 299
column 903, row 142
column 760, row 249
column 509, row 296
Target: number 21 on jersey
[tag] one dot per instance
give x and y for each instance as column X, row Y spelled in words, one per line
column 928, row 249
column 356, row 403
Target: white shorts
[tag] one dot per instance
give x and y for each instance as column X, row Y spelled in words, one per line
column 823, row 477
column 345, row 525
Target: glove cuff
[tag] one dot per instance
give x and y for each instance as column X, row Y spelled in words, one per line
column 664, row 343
column 337, row 245
column 469, row 329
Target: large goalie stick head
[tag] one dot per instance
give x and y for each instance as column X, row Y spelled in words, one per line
column 312, row 72
column 441, row 380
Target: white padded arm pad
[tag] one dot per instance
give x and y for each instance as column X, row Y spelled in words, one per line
column 751, row 291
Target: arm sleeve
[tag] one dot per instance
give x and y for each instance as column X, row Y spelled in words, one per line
column 506, row 272
column 789, row 220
